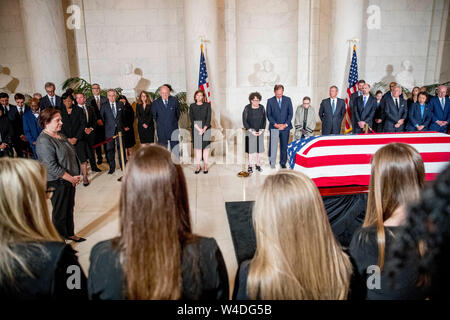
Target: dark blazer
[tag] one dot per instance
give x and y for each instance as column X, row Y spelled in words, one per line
column 73, row 128
column 352, row 104
column 366, row 113
column 275, row 115
column 112, row 125
column 331, row 123
column 439, row 114
column 415, row 117
column 11, row 114
column 31, row 128
column 391, row 114
column 91, row 101
column 16, row 120
column 6, row 133
column 49, row 262
column 204, row 274
column 45, row 102
column 90, row 123
column 166, row 119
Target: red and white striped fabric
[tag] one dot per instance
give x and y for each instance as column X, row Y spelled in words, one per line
column 345, row 160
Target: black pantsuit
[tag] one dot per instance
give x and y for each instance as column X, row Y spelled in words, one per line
column 63, row 202
column 145, row 116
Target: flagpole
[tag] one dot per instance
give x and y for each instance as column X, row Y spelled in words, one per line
column 348, row 119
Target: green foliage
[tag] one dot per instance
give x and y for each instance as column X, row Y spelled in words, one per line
column 79, row 85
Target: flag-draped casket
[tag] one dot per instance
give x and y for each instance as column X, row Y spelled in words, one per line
column 343, row 160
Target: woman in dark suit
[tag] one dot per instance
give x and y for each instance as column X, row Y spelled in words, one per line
column 146, row 126
column 36, row 262
column 63, row 170
column 156, row 229
column 129, row 141
column 420, row 114
column 200, row 116
column 74, row 123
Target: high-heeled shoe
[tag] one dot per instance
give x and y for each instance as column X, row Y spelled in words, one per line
column 198, row 170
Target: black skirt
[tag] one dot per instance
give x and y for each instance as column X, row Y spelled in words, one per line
column 201, row 141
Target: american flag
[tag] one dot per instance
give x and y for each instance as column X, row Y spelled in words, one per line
column 343, row 160
column 352, row 87
column 203, row 82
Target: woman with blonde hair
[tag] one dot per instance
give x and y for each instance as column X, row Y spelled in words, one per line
column 396, row 180
column 156, row 255
column 34, row 260
column 297, row 256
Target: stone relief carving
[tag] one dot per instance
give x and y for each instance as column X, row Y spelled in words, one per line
column 406, row 77
column 5, row 79
column 264, row 75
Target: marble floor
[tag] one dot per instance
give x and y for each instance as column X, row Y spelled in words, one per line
column 96, row 209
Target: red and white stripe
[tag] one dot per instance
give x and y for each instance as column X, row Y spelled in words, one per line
column 345, row 160
column 205, row 88
column 348, row 114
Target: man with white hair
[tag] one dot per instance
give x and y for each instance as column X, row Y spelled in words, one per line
column 394, row 111
column 441, row 110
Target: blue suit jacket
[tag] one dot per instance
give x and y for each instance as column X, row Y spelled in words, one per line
column 415, row 117
column 439, row 114
column 166, row 118
column 45, row 102
column 112, row 125
column 275, row 115
column 331, row 122
column 31, row 127
column 362, row 113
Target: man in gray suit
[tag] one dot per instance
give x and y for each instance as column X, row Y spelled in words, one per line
column 331, row 112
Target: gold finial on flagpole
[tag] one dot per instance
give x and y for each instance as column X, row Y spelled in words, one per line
column 354, row 42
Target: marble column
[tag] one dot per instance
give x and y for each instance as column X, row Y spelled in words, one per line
column 45, row 40
column 201, row 20
column 347, row 24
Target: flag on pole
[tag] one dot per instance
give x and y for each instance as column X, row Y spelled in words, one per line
column 352, row 87
column 203, row 82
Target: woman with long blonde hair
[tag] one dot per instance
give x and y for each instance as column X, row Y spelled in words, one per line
column 397, row 177
column 156, row 255
column 33, row 256
column 297, row 256
column 146, row 125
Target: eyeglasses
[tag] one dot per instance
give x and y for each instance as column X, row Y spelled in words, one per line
column 50, row 192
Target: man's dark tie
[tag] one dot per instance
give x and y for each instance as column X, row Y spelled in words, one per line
column 21, row 112
column 97, row 100
column 365, row 100
column 53, row 102
column 114, row 111
column 396, row 102
column 333, row 107
column 165, row 103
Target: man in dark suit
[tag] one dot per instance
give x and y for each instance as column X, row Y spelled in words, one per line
column 21, row 145
column 440, row 106
column 5, row 135
column 279, row 113
column 89, row 131
column 111, row 115
column 166, row 112
column 95, row 102
column 5, row 106
column 31, row 127
column 51, row 99
column 420, row 114
column 394, row 111
column 364, row 108
column 352, row 104
column 331, row 112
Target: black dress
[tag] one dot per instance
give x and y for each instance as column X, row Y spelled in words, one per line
column 364, row 250
column 49, row 262
column 129, row 139
column 106, row 279
column 200, row 115
column 145, row 116
column 73, row 127
column 254, row 120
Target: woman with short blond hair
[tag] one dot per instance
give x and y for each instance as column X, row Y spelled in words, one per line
column 297, row 256
column 396, row 180
column 33, row 257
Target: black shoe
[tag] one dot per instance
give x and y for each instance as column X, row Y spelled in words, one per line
column 250, row 170
column 120, row 179
column 111, row 171
column 79, row 240
column 283, row 166
column 258, row 168
column 85, row 184
column 96, row 169
column 198, row 170
column 99, row 161
column 205, row 171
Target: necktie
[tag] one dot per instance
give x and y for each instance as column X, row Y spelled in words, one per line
column 165, row 103
column 365, row 100
column 333, row 107
column 86, row 113
column 21, row 112
column 442, row 103
column 279, row 103
column 97, row 100
column 396, row 102
column 113, row 107
column 53, row 102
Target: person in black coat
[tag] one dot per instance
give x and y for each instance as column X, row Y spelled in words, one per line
column 378, row 122
column 111, row 113
column 6, row 132
column 364, row 109
column 74, row 123
column 394, row 111
column 179, row 264
column 200, row 116
column 254, row 120
column 21, row 145
column 51, row 99
column 166, row 112
column 129, row 140
column 37, row 264
column 89, row 130
column 145, row 126
column 96, row 102
column 331, row 112
column 352, row 104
